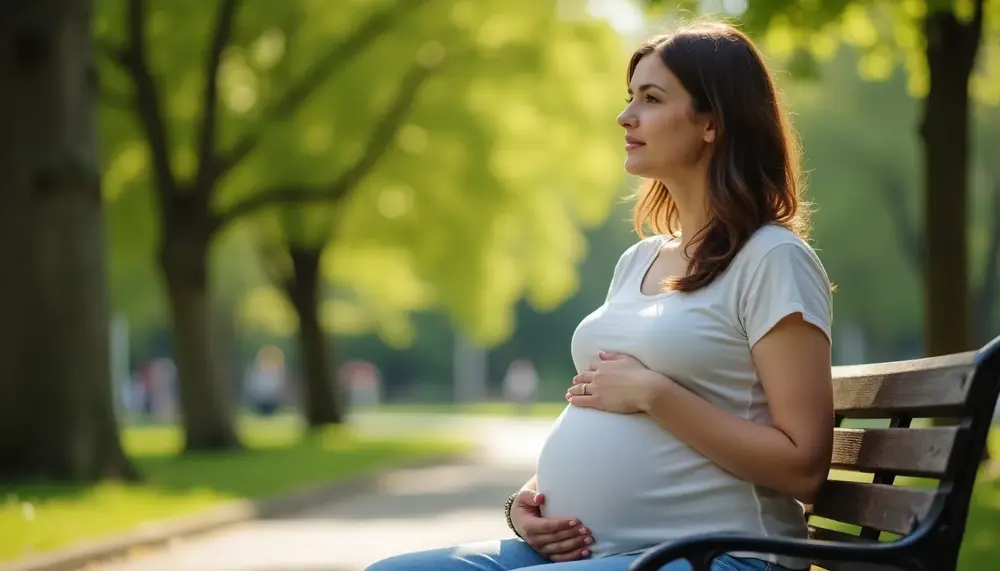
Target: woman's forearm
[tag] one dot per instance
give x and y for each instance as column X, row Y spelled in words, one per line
column 758, row 453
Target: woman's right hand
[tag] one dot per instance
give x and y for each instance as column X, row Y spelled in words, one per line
column 558, row 539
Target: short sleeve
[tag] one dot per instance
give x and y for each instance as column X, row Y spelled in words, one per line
column 789, row 279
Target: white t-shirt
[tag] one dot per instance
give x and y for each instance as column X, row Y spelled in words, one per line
column 629, row 480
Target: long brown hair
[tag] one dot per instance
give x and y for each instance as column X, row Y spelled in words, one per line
column 754, row 177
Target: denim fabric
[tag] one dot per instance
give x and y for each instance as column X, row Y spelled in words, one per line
column 509, row 554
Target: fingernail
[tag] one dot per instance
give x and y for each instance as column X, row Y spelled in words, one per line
column 584, row 531
column 572, row 522
column 588, row 540
column 585, row 552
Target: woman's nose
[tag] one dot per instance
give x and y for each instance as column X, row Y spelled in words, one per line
column 627, row 119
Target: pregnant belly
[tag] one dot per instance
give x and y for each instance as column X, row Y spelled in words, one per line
column 613, row 471
column 634, row 485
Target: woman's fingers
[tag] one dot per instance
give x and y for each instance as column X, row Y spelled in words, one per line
column 574, row 533
column 535, row 527
column 575, row 543
column 570, row 556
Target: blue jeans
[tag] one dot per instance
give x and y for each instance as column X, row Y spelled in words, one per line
column 509, row 554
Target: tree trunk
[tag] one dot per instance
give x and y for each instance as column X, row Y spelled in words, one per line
column 951, row 52
column 204, row 398
column 323, row 402
column 58, row 420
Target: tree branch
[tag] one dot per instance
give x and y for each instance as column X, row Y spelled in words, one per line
column 338, row 57
column 205, row 176
column 274, row 262
column 977, row 23
column 147, row 98
column 115, row 53
column 117, row 56
column 379, row 142
column 970, row 37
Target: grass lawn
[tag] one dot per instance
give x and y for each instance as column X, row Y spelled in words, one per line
column 41, row 517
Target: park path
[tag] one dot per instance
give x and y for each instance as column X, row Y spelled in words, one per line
column 413, row 509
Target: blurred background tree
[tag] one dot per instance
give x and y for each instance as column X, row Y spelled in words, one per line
column 230, row 136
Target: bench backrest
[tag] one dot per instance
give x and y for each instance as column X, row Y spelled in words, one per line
column 960, row 389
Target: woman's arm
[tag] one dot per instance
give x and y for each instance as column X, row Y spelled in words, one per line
column 793, row 454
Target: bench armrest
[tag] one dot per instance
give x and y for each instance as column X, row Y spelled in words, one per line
column 701, row 550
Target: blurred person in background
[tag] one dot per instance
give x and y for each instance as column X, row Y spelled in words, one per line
column 703, row 401
column 265, row 381
column 521, row 384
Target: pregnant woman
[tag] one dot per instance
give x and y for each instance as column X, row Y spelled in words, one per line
column 703, row 399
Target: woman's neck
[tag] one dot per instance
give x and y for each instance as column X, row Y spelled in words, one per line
column 692, row 209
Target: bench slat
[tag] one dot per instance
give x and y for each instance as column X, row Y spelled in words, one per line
column 937, row 392
column 921, row 452
column 879, row 506
column 966, row 359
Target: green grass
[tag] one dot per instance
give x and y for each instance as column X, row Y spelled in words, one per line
column 41, row 517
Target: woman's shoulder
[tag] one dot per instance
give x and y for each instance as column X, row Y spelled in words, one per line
column 774, row 237
column 644, row 247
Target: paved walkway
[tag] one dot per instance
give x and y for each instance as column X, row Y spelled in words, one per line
column 414, row 509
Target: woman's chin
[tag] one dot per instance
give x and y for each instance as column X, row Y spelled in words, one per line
column 634, row 167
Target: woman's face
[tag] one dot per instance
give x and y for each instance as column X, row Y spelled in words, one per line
column 663, row 135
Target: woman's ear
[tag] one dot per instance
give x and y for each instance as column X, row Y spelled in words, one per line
column 708, row 134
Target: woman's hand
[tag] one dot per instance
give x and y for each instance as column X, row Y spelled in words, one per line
column 557, row 539
column 615, row 383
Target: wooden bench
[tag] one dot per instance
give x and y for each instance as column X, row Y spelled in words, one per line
column 928, row 520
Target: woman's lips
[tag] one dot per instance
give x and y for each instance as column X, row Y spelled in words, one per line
column 632, row 143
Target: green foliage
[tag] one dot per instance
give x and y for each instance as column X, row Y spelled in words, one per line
column 888, row 35
column 479, row 200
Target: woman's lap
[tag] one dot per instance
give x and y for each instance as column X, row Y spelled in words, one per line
column 509, row 554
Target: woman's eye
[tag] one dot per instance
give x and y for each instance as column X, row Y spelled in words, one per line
column 651, row 99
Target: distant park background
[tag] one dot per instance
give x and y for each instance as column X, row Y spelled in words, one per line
column 498, row 208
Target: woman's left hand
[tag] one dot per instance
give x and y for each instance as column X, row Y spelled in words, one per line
column 614, row 383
